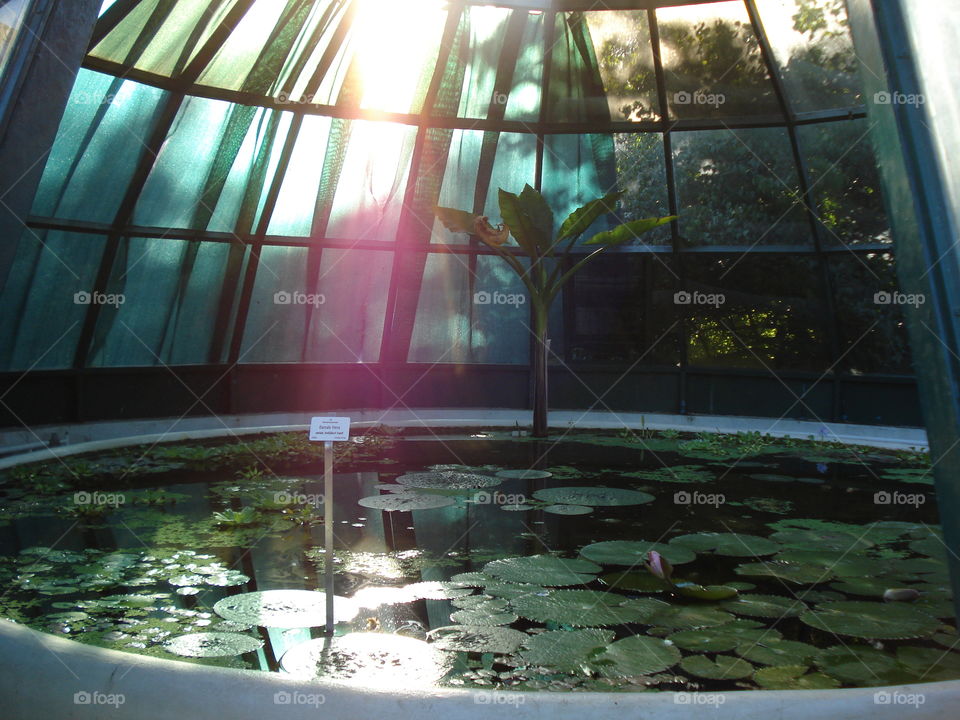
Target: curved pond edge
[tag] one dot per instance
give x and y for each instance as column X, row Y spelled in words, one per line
column 42, row 676
column 48, row 442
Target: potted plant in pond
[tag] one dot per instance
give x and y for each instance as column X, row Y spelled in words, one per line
column 529, row 219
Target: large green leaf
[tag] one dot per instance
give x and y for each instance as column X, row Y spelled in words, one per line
column 565, row 649
column 581, row 219
column 456, row 220
column 871, row 621
column 539, row 211
column 637, row 655
column 524, row 225
column 628, row 231
column 544, row 570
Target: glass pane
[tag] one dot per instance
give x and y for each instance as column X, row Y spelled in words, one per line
column 98, row 145
column 738, row 187
column 712, row 62
column 871, row 313
column 46, row 298
column 642, row 176
column 763, row 312
column 471, row 309
column 812, row 45
column 523, row 102
column 622, row 311
column 845, row 182
column 171, row 292
column 621, row 41
column 12, row 15
column 297, row 202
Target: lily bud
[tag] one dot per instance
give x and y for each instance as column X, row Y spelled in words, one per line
column 494, row 236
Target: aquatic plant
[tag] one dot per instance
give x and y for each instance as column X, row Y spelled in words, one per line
column 236, row 518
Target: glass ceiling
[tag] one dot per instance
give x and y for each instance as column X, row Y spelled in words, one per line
column 252, row 181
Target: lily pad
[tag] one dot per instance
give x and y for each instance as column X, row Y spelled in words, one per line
column 568, row 509
column 637, row 582
column 484, row 602
column 637, row 655
column 477, row 638
column 688, row 616
column 765, row 606
column 406, row 502
column 799, row 573
column 723, row 667
column 481, row 616
column 634, row 552
column 369, row 659
column 284, row 608
column 858, row 665
column 676, row 474
column 776, row 651
column 722, row 638
column 917, row 476
column 730, row 544
column 546, row 570
column 793, row 677
column 565, row 650
column 448, row 480
column 524, row 474
column 593, row 496
column 212, row 644
column 871, row 621
column 584, row 608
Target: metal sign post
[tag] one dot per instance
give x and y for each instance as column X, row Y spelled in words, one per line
column 328, row 430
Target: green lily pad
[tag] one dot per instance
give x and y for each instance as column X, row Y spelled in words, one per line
column 568, row 509
column 858, row 665
column 634, row 552
column 777, row 651
column 484, row 602
column 284, row 608
column 406, row 502
column 470, row 579
column 776, row 506
column 799, row 573
column 565, row 650
column 872, row 621
column 370, row 659
column 545, row 570
column 524, row 474
column 510, row 590
column 676, row 474
column 480, row 616
column 593, row 496
column 793, row 677
column 730, row 544
column 448, row 480
column 435, row 590
column 722, row 638
column 637, row 582
column 704, row 592
column 477, row 638
column 212, row 644
column 584, row 608
column 723, row 667
column 636, row 655
column 928, row 664
column 821, row 539
column 688, row 616
column 765, row 606
column 916, row 476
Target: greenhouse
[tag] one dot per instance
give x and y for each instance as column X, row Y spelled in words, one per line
column 377, row 357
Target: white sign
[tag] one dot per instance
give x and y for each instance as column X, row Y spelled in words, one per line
column 329, row 429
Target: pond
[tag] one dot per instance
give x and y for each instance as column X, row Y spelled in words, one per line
column 482, row 560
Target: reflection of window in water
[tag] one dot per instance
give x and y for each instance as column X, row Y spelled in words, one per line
column 12, row 13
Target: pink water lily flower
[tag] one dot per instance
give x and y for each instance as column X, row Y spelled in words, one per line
column 658, row 565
